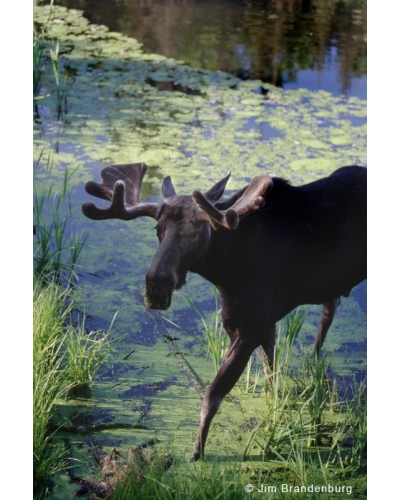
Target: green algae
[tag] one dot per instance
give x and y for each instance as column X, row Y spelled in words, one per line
column 125, row 106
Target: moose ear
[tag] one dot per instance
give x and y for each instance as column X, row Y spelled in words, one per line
column 215, row 193
column 167, row 189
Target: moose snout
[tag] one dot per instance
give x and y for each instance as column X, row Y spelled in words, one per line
column 159, row 288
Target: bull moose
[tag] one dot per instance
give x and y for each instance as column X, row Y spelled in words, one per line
column 268, row 249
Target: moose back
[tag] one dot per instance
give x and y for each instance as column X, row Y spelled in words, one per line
column 268, row 249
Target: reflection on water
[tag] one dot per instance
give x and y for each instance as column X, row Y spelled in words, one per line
column 314, row 44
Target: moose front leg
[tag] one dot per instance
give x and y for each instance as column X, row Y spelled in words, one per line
column 229, row 373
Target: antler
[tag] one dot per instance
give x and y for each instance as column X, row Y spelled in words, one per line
column 250, row 201
column 121, row 185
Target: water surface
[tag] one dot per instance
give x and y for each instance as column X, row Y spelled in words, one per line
column 314, row 44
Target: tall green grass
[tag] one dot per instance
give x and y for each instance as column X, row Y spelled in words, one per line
column 225, row 480
column 49, row 382
column 38, row 66
column 217, row 340
column 305, row 426
column 304, row 423
column 351, row 430
column 39, row 50
column 85, row 354
column 60, row 80
column 45, row 52
column 184, row 481
column 38, row 59
column 305, row 436
column 65, row 361
column 56, row 246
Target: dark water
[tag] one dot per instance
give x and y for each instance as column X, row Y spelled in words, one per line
column 314, row 44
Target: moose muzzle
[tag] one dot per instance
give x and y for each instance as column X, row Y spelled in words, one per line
column 159, row 288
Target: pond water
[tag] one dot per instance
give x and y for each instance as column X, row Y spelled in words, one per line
column 127, row 105
column 313, row 44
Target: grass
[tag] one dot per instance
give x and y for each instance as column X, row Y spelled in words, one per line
column 38, row 66
column 65, row 360
column 42, row 52
column 309, row 443
column 61, row 92
column 217, row 341
column 301, row 476
column 351, row 430
column 38, row 59
column 184, row 481
column 278, row 455
column 304, row 420
column 217, row 338
column 85, row 354
column 49, row 383
column 56, row 254
column 56, row 247
column 306, row 430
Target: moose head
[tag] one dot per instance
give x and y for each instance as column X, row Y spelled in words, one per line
column 184, row 223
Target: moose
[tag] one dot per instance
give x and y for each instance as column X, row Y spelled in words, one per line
column 267, row 249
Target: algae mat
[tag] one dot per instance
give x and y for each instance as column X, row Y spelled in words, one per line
column 124, row 106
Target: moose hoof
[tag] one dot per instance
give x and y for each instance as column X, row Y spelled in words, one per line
column 196, row 456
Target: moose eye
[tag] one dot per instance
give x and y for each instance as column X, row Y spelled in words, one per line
column 195, row 235
column 158, row 232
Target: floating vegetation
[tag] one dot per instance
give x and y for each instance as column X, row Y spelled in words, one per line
column 119, row 112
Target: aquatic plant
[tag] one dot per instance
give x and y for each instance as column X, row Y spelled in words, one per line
column 349, row 445
column 217, row 339
column 287, row 332
column 280, row 438
column 85, row 354
column 38, row 62
column 252, row 373
column 43, row 49
column 39, row 47
column 38, row 67
column 319, row 395
column 297, row 424
column 356, row 420
column 56, row 247
column 61, row 91
column 49, row 383
column 219, row 120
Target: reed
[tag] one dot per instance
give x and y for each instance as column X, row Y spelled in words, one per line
column 57, row 247
column 60, row 80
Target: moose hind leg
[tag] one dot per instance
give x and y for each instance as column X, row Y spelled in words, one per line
column 267, row 352
column 229, row 373
column 328, row 312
